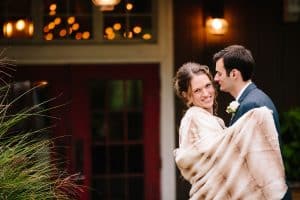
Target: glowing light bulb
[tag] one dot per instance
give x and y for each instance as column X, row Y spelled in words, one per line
column 137, row 29
column 20, row 25
column 217, row 26
column 129, row 6
column 52, row 7
column 117, row 26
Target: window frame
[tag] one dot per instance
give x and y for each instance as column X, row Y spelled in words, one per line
column 96, row 32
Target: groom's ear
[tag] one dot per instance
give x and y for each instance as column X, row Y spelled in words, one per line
column 235, row 73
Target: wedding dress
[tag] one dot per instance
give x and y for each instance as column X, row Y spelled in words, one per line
column 239, row 162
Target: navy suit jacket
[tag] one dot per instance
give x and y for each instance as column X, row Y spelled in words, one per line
column 252, row 97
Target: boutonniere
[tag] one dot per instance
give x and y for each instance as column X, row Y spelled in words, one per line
column 233, row 106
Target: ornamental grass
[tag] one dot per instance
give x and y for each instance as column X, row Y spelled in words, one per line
column 28, row 168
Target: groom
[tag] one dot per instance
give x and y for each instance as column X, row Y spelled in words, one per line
column 234, row 70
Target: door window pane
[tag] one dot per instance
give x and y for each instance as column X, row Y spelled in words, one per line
column 99, row 159
column 98, row 126
column 116, row 110
column 134, row 94
column 136, row 188
column 117, row 159
column 97, row 93
column 135, row 159
column 99, row 188
column 135, row 126
column 117, row 132
column 118, row 188
column 115, row 95
column 116, row 126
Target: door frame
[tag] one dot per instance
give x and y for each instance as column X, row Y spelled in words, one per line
column 71, row 83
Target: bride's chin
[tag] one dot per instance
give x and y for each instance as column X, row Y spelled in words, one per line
column 211, row 103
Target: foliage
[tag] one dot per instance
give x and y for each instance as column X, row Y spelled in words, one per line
column 27, row 170
column 290, row 130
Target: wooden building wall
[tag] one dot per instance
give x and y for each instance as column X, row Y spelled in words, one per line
column 259, row 26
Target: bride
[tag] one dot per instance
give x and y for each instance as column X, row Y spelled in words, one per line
column 242, row 161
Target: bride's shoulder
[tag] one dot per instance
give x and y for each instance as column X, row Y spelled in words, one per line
column 201, row 114
column 196, row 109
column 192, row 113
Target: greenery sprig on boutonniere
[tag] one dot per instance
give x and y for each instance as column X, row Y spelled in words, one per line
column 232, row 108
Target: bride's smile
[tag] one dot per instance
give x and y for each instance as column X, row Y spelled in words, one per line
column 202, row 92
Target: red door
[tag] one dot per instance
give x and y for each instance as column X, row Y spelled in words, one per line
column 114, row 126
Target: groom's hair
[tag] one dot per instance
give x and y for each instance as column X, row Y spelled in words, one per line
column 237, row 57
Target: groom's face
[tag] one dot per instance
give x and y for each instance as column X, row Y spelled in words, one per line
column 221, row 77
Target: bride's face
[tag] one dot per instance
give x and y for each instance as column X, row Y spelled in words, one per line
column 202, row 92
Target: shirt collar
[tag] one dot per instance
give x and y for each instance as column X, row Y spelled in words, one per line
column 242, row 90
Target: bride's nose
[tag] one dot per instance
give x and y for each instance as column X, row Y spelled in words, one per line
column 205, row 92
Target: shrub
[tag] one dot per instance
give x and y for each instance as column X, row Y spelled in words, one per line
column 290, row 130
column 27, row 170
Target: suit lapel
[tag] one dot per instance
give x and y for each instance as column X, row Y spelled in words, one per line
column 250, row 87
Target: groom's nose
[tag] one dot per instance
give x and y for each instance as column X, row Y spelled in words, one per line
column 216, row 78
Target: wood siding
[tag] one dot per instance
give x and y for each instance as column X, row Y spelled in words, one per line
column 259, row 26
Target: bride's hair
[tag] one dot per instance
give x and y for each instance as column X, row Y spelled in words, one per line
column 182, row 81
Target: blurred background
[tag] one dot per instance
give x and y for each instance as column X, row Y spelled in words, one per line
column 112, row 63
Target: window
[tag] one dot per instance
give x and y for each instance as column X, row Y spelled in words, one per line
column 117, row 139
column 131, row 19
column 67, row 20
column 16, row 21
column 35, row 21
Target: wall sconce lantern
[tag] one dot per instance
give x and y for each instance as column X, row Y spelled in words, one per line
column 106, row 5
column 21, row 28
column 214, row 17
column 216, row 26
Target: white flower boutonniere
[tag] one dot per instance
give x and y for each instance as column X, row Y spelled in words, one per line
column 233, row 106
